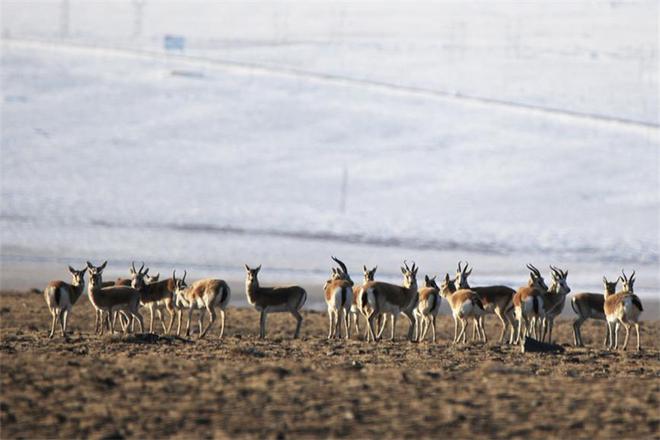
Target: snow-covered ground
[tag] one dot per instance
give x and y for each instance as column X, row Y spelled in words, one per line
column 202, row 164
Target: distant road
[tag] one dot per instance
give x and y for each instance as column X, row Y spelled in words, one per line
column 346, row 81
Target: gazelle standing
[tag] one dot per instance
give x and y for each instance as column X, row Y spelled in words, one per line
column 273, row 300
column 155, row 296
column 338, row 292
column 368, row 275
column 111, row 299
column 465, row 304
column 528, row 305
column 60, row 298
column 204, row 295
column 427, row 308
column 554, row 300
column 623, row 308
column 379, row 298
column 590, row 305
column 495, row 299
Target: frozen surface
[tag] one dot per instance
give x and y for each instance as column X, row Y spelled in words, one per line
column 106, row 154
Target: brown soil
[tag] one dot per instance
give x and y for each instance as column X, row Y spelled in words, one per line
column 150, row 387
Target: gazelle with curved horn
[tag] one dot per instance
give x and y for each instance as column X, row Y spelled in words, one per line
column 379, row 298
column 155, row 296
column 111, row 299
column 204, row 295
column 338, row 292
column 273, row 300
column 554, row 300
column 591, row 305
column 528, row 305
column 60, row 298
column 465, row 304
column 495, row 299
column 623, row 308
column 367, row 276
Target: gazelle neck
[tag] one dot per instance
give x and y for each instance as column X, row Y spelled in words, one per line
column 78, row 290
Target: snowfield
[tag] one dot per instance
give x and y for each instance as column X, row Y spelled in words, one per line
column 193, row 161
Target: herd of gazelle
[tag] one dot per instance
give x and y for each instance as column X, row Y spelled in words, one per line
column 528, row 311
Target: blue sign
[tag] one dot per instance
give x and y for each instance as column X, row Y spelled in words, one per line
column 174, row 42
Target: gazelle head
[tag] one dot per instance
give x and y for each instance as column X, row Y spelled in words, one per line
column 462, row 274
column 628, row 283
column 448, row 286
column 430, row 282
column 251, row 274
column 409, row 275
column 610, row 286
column 535, row 278
column 77, row 276
column 180, row 286
column 137, row 276
column 341, row 272
column 152, row 278
column 368, row 274
column 96, row 275
column 559, row 284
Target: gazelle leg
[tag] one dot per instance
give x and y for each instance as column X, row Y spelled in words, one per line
column 433, row 327
column 347, row 324
column 393, row 323
column 639, row 346
column 222, row 323
column 65, row 320
column 211, row 311
column 370, row 326
column 190, row 312
column 52, row 324
column 455, row 330
column 200, row 320
column 338, row 323
column 299, row 319
column 330, row 326
column 179, row 313
column 262, row 325
column 616, row 335
column 625, row 341
column 463, row 334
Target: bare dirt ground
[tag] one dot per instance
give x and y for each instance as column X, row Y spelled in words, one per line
column 240, row 386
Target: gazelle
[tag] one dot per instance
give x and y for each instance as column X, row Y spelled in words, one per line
column 155, row 296
column 368, row 275
column 203, row 295
column 111, row 299
column 379, row 298
column 60, row 298
column 554, row 300
column 590, row 305
column 623, row 308
column 118, row 282
column 528, row 305
column 464, row 304
column 338, row 292
column 427, row 308
column 273, row 300
column 495, row 299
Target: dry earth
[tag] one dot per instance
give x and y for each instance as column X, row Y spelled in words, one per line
column 151, row 387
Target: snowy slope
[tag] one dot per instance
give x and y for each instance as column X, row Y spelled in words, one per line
column 191, row 164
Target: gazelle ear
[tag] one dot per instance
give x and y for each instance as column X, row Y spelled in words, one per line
column 72, row 270
column 82, row 272
column 258, row 268
column 426, row 278
column 605, row 280
column 447, row 277
column 146, row 271
column 468, row 272
column 90, row 266
column 403, row 270
column 247, row 268
column 105, row 263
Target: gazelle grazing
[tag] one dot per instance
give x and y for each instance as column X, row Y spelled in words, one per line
column 338, row 297
column 60, row 298
column 155, row 296
column 427, row 308
column 590, row 305
column 379, row 298
column 111, row 299
column 273, row 300
column 495, row 299
column 528, row 305
column 554, row 300
column 623, row 308
column 465, row 304
column 204, row 295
